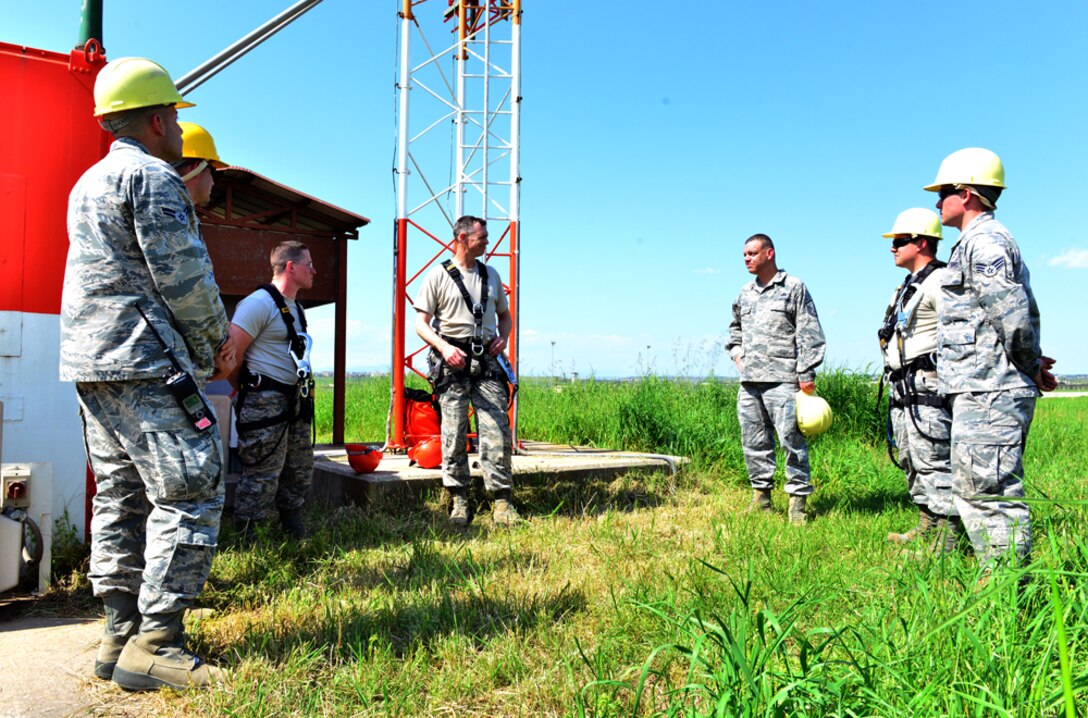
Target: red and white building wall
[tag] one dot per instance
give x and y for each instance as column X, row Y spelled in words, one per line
column 48, row 138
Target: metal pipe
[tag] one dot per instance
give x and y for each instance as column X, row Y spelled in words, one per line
column 515, row 202
column 486, row 117
column 90, row 23
column 210, row 68
column 395, row 438
column 462, row 115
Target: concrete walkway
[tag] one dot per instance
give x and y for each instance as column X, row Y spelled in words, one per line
column 45, row 666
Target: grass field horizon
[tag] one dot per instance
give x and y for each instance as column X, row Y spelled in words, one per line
column 654, row 596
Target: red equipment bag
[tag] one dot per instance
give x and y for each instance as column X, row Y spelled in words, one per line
column 421, row 420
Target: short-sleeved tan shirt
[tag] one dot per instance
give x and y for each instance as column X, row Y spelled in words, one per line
column 440, row 297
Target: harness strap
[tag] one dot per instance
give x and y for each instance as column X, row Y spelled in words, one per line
column 281, row 304
column 926, row 362
column 297, row 343
column 478, row 309
column 915, row 399
column 250, row 382
column 904, row 293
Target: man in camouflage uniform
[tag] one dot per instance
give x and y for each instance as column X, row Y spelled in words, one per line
column 989, row 362
column 137, row 277
column 920, row 417
column 275, row 405
column 466, row 343
column 776, row 341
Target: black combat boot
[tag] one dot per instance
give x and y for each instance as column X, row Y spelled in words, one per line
column 291, row 520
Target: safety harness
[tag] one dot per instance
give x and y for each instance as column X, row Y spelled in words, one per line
column 903, row 390
column 476, row 344
column 897, row 316
column 442, row 375
column 300, row 399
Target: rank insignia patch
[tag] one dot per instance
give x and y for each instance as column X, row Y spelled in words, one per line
column 991, row 269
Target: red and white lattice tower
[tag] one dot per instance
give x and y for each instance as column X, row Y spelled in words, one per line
column 458, row 135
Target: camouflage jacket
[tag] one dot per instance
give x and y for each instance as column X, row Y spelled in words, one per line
column 988, row 331
column 776, row 332
column 134, row 240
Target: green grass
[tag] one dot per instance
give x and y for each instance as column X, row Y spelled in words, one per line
column 656, row 596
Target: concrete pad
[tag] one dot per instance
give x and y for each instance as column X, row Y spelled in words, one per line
column 337, row 483
column 46, row 664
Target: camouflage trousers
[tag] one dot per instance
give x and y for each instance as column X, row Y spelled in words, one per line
column 489, row 398
column 277, row 461
column 762, row 409
column 923, row 436
column 989, row 432
column 159, row 494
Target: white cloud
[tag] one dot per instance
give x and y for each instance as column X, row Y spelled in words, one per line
column 1071, row 258
column 706, row 270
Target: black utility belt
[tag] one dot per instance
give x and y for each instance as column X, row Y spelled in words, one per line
column 465, row 343
column 924, row 363
column 936, row 400
column 259, row 382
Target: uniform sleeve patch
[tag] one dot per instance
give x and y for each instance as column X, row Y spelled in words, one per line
column 178, row 214
column 990, row 269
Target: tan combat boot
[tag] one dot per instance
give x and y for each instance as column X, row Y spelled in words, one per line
column 949, row 542
column 926, row 523
column 761, row 501
column 460, row 512
column 122, row 622
column 503, row 512
column 158, row 658
column 943, row 538
column 797, row 510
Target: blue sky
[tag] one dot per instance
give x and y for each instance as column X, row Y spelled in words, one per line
column 655, row 139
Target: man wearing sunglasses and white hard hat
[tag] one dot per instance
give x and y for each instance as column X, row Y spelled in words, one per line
column 989, row 363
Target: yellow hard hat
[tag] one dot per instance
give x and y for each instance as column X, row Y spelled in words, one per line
column 813, row 414
column 971, row 166
column 199, row 145
column 129, row 83
column 917, row 222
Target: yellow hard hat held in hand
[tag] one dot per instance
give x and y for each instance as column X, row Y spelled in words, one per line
column 813, row 414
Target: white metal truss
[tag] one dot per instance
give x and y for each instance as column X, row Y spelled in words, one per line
column 458, row 137
column 472, row 83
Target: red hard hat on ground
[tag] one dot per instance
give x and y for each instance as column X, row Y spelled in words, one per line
column 362, row 458
column 428, row 453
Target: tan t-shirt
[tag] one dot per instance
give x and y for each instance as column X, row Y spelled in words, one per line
column 920, row 324
column 440, row 297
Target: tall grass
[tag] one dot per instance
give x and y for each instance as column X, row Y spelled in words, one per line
column 656, row 596
column 680, row 417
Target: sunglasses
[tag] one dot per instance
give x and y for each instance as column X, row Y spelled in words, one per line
column 947, row 192
column 901, row 242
